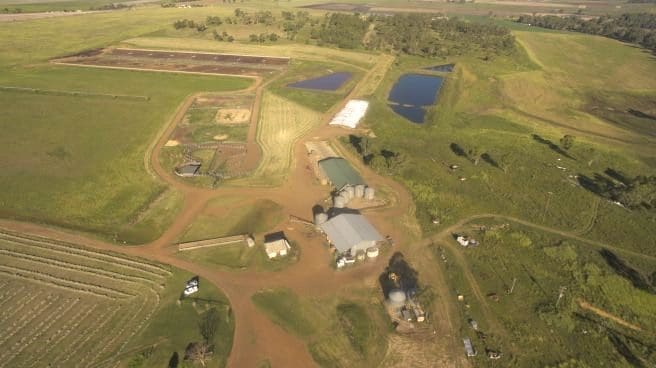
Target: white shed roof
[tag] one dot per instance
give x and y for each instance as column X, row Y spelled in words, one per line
column 351, row 114
column 347, row 230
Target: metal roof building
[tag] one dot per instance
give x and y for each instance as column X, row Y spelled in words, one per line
column 339, row 172
column 350, row 232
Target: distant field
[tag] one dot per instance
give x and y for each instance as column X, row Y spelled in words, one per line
column 69, row 306
column 536, row 328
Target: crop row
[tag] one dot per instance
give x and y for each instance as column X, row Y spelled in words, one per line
column 8, row 296
column 46, row 322
column 25, row 319
column 83, row 338
column 67, row 266
column 72, row 323
column 17, row 306
column 71, row 285
column 75, row 249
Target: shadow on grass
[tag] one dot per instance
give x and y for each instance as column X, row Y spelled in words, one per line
column 487, row 158
column 459, row 151
column 554, row 147
column 621, row 268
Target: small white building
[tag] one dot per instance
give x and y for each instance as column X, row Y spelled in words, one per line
column 276, row 245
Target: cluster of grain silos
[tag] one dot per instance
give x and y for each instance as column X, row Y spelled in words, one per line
column 344, row 196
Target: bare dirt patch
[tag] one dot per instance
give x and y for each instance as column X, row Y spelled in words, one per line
column 233, row 116
column 178, row 61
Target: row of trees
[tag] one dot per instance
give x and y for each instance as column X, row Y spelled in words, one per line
column 638, row 28
column 263, row 37
column 344, row 30
column 435, row 36
column 223, row 36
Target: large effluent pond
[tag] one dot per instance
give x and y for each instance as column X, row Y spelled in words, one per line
column 412, row 93
column 330, row 82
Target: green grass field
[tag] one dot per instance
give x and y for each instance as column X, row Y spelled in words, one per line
column 338, row 333
column 77, row 160
column 533, row 330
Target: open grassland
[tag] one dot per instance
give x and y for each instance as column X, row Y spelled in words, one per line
column 234, row 216
column 76, row 157
column 66, row 305
column 606, row 313
column 281, row 123
column 510, row 161
column 339, row 333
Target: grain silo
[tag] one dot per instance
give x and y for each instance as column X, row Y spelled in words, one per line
column 351, row 191
column 339, row 201
column 320, row 218
column 369, row 193
column 396, row 297
column 359, row 191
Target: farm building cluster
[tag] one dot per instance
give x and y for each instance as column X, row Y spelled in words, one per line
column 349, row 233
column 400, row 286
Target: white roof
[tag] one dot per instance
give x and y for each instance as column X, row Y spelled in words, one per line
column 351, row 114
column 276, row 246
column 348, row 230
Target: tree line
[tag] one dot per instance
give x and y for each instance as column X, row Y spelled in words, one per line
column 437, row 36
column 638, row 28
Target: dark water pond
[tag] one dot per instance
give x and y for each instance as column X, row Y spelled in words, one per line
column 446, row 68
column 330, row 82
column 412, row 92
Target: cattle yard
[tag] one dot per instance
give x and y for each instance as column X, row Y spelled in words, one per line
column 178, row 61
column 213, row 133
column 68, row 306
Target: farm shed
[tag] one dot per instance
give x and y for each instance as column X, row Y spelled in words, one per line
column 350, row 232
column 276, row 245
column 351, row 114
column 340, row 173
column 469, row 348
column 187, row 170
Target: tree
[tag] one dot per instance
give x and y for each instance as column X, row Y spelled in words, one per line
column 567, row 141
column 214, row 21
column 474, row 154
column 273, row 37
column 208, row 325
column 198, row 352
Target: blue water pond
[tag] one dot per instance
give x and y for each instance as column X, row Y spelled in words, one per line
column 412, row 92
column 330, row 82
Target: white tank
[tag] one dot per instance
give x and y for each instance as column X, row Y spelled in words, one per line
column 339, row 201
column 344, row 193
column 396, row 297
column 351, row 191
column 359, row 191
column 369, row 193
column 320, row 218
column 372, row 252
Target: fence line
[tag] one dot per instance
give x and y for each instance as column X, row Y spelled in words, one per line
column 54, row 92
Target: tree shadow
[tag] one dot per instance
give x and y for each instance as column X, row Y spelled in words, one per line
column 174, row 361
column 406, row 276
column 356, row 142
column 622, row 269
column 487, row 158
column 598, row 184
column 640, row 114
column 554, row 147
column 617, row 175
column 459, row 151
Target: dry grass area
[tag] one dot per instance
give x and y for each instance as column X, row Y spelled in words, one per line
column 410, row 352
column 281, row 123
column 372, row 80
column 300, row 51
column 71, row 307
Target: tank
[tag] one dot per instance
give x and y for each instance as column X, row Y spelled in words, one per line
column 372, row 252
column 359, row 191
column 339, row 201
column 351, row 191
column 369, row 193
column 344, row 193
column 320, row 218
column 396, row 297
